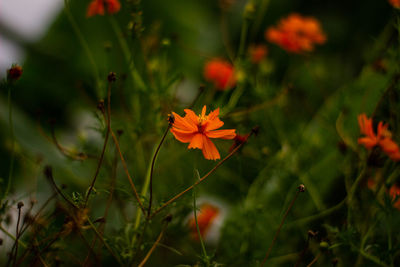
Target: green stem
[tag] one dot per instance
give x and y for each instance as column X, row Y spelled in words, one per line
column 104, row 241
column 137, row 79
column 259, row 18
column 11, row 126
column 243, row 37
column 85, row 46
column 145, row 188
column 234, row 99
column 12, row 237
column 197, row 226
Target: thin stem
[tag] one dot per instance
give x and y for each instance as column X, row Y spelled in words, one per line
column 234, row 99
column 85, row 46
column 225, row 36
column 11, row 126
column 80, row 156
column 12, row 236
column 154, row 246
column 136, row 78
column 127, row 172
column 104, row 241
column 176, row 197
column 145, row 188
column 319, row 215
column 303, row 252
column 17, row 233
column 314, row 260
column 49, row 175
column 259, row 18
column 38, row 213
column 243, row 37
column 372, row 258
column 300, row 189
column 152, row 168
column 108, row 121
column 203, row 247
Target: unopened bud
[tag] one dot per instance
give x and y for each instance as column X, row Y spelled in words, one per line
column 20, row 204
column 301, row 188
column 112, row 77
column 168, row 218
column 14, row 73
column 171, row 118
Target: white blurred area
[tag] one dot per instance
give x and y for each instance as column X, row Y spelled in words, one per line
column 28, row 20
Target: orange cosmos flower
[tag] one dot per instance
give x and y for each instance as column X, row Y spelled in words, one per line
column 394, row 192
column 205, row 218
column 383, row 138
column 98, row 7
column 395, row 3
column 221, row 73
column 257, row 53
column 197, row 131
column 296, row 33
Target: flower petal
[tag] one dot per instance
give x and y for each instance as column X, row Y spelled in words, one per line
column 190, row 115
column 388, row 146
column 213, row 124
column 213, row 114
column 209, row 149
column 197, row 141
column 203, row 111
column 367, row 142
column 223, row 134
column 184, row 124
column 181, row 135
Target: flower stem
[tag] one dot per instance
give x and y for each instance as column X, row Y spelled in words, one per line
column 85, row 46
column 108, row 121
column 127, row 172
column 21, row 243
column 154, row 245
column 300, row 189
column 11, row 127
column 176, row 197
column 152, row 168
column 136, row 78
column 203, row 247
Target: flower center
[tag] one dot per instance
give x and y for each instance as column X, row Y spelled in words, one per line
column 201, row 125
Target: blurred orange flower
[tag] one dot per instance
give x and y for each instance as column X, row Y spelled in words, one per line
column 197, row 131
column 97, row 7
column 296, row 33
column 205, row 218
column 257, row 53
column 395, row 3
column 14, row 73
column 383, row 138
column 221, row 73
column 394, row 192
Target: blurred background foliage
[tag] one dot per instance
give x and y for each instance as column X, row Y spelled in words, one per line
column 305, row 105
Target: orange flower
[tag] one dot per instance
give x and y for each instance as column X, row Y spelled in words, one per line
column 205, row 218
column 383, row 138
column 97, row 7
column 14, row 73
column 197, row 131
column 221, row 73
column 395, row 3
column 257, row 53
column 394, row 192
column 296, row 33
